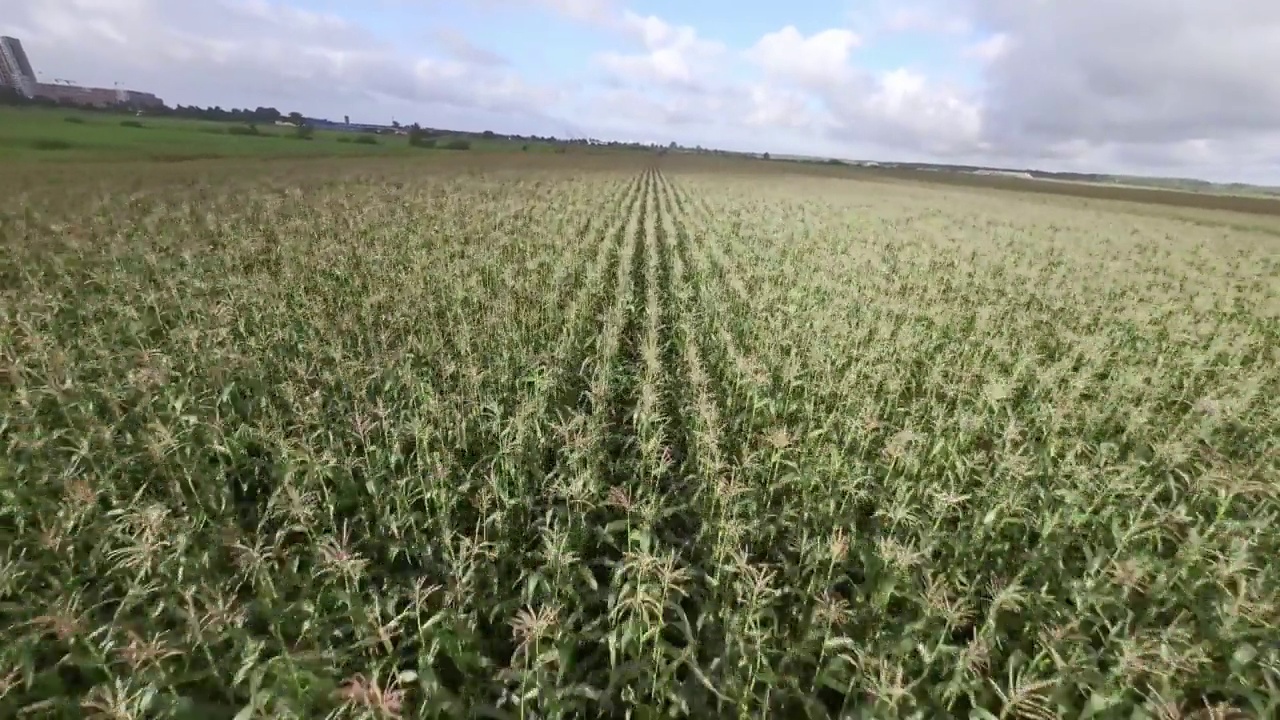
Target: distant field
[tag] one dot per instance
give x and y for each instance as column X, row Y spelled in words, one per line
column 541, row 436
column 1252, row 203
column 1247, row 191
column 39, row 134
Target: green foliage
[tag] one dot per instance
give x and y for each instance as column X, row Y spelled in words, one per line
column 420, row 138
column 51, row 144
column 374, row 440
column 73, row 119
column 244, row 130
column 366, row 140
column 137, row 124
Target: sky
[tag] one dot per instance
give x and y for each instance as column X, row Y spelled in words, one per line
column 1182, row 88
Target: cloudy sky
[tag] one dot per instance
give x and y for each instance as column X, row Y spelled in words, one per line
column 1163, row 87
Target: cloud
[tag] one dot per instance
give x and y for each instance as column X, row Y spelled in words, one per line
column 251, row 52
column 818, row 61
column 1165, row 86
column 898, row 109
column 673, row 56
column 595, row 11
column 924, row 17
column 1150, row 73
column 772, row 106
column 989, row 49
column 464, row 50
column 907, row 109
column 602, row 13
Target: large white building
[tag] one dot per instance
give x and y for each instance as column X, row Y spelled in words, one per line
column 15, row 69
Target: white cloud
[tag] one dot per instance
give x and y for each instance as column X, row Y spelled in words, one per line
column 664, row 66
column 252, row 52
column 815, row 62
column 898, row 109
column 989, row 49
column 1146, row 75
column 778, row 107
column 924, row 19
column 674, row 56
column 630, row 108
column 598, row 11
column 923, row 114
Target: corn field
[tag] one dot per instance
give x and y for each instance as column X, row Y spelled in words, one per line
column 633, row 441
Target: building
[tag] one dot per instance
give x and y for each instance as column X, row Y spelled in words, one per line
column 16, row 72
column 15, row 68
column 76, row 95
column 95, row 97
column 140, row 100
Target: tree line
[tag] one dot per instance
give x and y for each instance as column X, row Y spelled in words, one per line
column 259, row 115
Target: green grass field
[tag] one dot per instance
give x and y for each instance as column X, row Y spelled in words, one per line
column 41, row 134
column 552, row 436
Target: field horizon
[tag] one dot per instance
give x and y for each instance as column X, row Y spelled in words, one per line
column 40, row 135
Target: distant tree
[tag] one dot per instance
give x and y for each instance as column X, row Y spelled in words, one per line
column 487, row 134
column 765, row 156
column 420, row 138
column 295, row 118
column 673, row 145
column 396, row 124
column 11, row 96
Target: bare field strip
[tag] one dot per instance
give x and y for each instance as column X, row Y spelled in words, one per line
column 536, row 439
column 1167, row 197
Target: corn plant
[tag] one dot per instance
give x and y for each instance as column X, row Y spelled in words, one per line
column 575, row 437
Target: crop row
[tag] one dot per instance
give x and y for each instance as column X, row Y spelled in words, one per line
column 520, row 444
